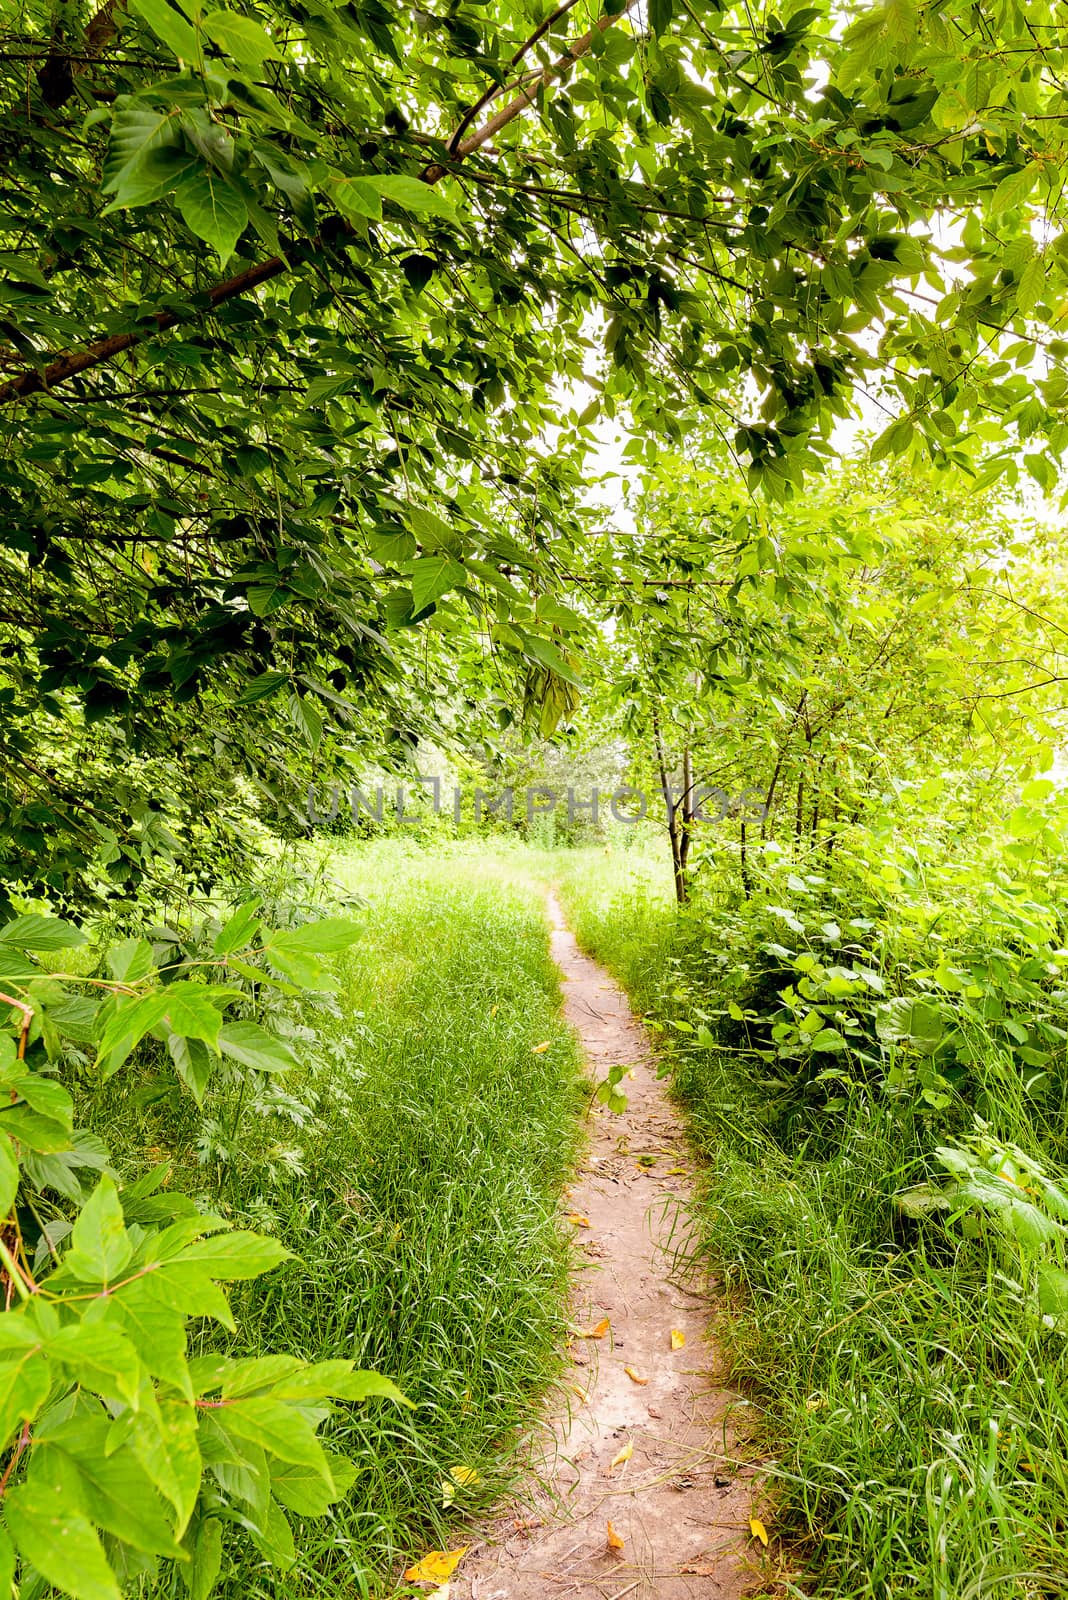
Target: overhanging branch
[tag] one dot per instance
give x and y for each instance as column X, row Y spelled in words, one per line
column 41, row 381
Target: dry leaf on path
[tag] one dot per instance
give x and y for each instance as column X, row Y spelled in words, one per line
column 436, row 1566
column 634, row 1375
column 598, row 1330
column 758, row 1530
column 578, row 1219
column 621, row 1456
column 614, row 1541
column 678, row 1338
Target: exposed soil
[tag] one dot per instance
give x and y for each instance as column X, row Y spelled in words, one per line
column 679, row 1503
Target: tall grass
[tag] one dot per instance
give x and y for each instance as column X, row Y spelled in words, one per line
column 914, row 1408
column 419, row 1195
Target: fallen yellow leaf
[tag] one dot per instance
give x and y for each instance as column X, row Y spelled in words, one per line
column 678, row 1338
column 578, row 1219
column 614, row 1541
column 598, row 1331
column 758, row 1530
column 675, row 1172
column 634, row 1375
column 621, row 1456
column 493, row 1011
column 539, row 1049
column 436, row 1566
column 457, row 1478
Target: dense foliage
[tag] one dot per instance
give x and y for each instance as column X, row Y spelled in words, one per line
column 297, row 296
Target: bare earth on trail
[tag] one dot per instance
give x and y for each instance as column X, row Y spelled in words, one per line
column 677, row 1502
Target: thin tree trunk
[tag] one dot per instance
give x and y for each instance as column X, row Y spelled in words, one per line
column 743, row 858
column 678, row 863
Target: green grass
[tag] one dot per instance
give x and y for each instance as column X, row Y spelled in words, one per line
column 913, row 1411
column 418, row 1188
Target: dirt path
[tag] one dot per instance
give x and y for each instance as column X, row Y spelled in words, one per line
column 681, row 1510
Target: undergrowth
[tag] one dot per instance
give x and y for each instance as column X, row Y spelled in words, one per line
column 414, row 1170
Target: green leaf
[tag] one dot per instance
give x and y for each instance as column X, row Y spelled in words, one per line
column 240, row 37
column 139, row 132
column 9, row 1175
column 392, row 546
column 59, row 1543
column 433, row 533
column 306, row 971
column 660, row 13
column 236, row 1255
column 25, row 1381
column 36, row 932
column 206, row 1550
column 279, row 1429
column 1053, row 1293
column 433, row 576
column 907, row 1021
column 192, row 1063
column 307, row 718
column 28, row 1127
column 98, row 1355
column 47, row 1097
column 369, row 1386
column 169, row 25
column 254, row 1047
column 100, row 1245
column 414, row 195
column 1031, row 284
column 7, row 1563
column 128, row 1024
column 1013, row 189
column 191, row 1010
column 274, row 1537
column 356, row 199
column 73, row 1464
column 550, row 656
column 260, row 975
column 268, row 683
column 240, row 929
column 166, row 1445
column 131, row 960
column 305, row 1490
column 212, row 209
column 154, row 1321
column 236, row 1378
column 324, row 937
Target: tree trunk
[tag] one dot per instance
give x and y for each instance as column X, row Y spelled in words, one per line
column 679, row 838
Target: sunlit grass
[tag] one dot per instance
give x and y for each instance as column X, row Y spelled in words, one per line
column 423, row 1217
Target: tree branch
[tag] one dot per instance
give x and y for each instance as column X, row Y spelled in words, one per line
column 33, row 381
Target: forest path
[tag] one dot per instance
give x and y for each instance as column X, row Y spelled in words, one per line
column 678, row 1502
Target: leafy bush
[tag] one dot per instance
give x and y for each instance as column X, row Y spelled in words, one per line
column 122, row 1451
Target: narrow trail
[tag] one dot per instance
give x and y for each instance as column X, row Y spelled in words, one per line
column 677, row 1502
